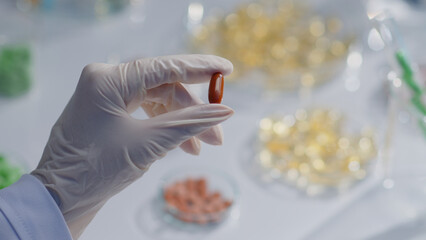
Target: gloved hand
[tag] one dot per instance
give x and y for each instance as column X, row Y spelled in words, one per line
column 96, row 148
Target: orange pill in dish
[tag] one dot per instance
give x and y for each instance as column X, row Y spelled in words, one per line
column 227, row 203
column 216, row 88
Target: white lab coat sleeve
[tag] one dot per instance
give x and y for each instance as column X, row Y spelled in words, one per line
column 28, row 212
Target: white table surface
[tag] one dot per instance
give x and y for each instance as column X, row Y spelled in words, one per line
column 63, row 47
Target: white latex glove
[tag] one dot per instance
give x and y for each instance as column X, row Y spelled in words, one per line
column 96, row 148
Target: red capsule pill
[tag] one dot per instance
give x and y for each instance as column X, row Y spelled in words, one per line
column 216, row 88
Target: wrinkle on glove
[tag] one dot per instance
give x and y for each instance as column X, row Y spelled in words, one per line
column 96, row 148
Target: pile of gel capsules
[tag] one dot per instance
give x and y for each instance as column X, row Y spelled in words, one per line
column 313, row 151
column 289, row 42
column 9, row 174
column 15, row 70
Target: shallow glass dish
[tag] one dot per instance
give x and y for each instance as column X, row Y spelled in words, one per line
column 286, row 52
column 315, row 150
column 217, row 181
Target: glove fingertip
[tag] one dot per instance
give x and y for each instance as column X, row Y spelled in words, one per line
column 191, row 146
column 226, row 66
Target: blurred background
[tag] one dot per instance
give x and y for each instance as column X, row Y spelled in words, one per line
column 328, row 136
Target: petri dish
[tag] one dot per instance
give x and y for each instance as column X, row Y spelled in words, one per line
column 216, row 181
column 157, row 219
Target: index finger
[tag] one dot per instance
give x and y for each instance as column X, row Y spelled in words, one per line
column 152, row 72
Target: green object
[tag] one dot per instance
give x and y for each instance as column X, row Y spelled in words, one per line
column 408, row 78
column 407, row 73
column 8, row 174
column 403, row 62
column 15, row 70
column 418, row 104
